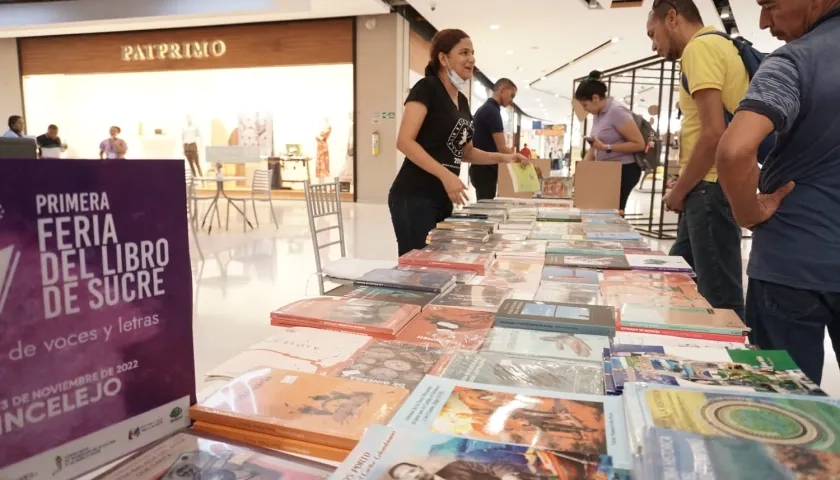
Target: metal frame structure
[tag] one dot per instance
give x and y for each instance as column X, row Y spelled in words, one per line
column 650, row 72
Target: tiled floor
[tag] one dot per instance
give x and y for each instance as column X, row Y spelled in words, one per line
column 246, row 275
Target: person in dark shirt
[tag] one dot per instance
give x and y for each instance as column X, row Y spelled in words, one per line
column 435, row 136
column 793, row 293
column 490, row 137
column 50, row 139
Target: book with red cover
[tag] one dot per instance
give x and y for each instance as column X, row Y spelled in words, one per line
column 448, row 327
column 471, row 262
column 386, row 362
column 375, row 318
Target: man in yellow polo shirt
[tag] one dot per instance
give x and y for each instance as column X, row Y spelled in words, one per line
column 714, row 82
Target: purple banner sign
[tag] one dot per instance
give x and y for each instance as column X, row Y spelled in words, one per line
column 96, row 345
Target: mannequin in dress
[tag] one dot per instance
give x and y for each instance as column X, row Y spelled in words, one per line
column 190, row 135
column 322, row 161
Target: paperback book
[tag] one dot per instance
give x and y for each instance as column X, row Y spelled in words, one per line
column 391, row 363
column 331, row 411
column 633, row 236
column 570, row 275
column 563, row 422
column 523, row 278
column 187, row 455
column 473, row 297
column 567, row 346
column 402, row 454
column 659, row 263
column 663, row 301
column 526, row 372
column 704, row 320
column 557, row 187
column 569, row 293
column 379, row 294
column 557, row 317
column 406, row 280
column 471, row 262
column 448, row 327
column 461, row 276
column 371, row 317
column 524, row 178
column 578, row 247
column 611, row 262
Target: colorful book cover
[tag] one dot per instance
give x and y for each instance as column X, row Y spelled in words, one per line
column 631, row 338
column 472, row 262
column 302, row 349
column 706, row 320
column 474, row 297
column 448, row 327
column 810, row 422
column 651, row 289
column 379, row 294
column 407, row 280
column 188, row 455
column 614, row 236
column 520, row 276
column 348, row 314
column 569, row 293
column 515, row 341
column 570, row 275
column 674, row 455
column 461, row 276
column 577, row 247
column 557, row 317
column 666, row 278
column 599, row 261
column 526, row 372
column 564, row 422
column 391, row 363
column 663, row 301
column 399, row 454
column 524, row 178
column 330, row 411
column 609, row 381
column 460, row 247
column 659, row 263
column 557, row 187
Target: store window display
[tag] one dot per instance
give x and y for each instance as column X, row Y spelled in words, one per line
column 322, row 163
column 190, row 135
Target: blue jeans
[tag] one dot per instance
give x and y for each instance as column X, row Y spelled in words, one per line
column 414, row 217
column 786, row 318
column 709, row 239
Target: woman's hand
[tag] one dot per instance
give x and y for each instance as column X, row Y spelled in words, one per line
column 455, row 188
column 598, row 145
column 516, row 158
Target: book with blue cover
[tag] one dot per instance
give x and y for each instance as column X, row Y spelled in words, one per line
column 557, row 317
column 810, row 422
column 564, row 422
column 400, row 454
column 613, row 236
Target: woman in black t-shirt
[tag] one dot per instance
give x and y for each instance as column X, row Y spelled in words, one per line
column 436, row 136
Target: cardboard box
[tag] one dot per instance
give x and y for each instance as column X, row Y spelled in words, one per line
column 597, row 185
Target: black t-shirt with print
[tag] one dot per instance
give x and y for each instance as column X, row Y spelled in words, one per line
column 445, row 132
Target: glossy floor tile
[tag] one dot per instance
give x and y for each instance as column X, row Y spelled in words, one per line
column 244, row 276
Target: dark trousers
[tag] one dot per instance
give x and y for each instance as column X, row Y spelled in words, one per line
column 484, row 178
column 786, row 318
column 414, row 218
column 709, row 239
column 630, row 175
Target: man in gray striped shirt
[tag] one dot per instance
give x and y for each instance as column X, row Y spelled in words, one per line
column 794, row 287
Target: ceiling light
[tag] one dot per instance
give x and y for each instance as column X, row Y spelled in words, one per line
column 509, row 52
column 725, row 13
column 494, row 27
column 593, row 4
column 556, row 95
column 615, row 39
column 519, row 68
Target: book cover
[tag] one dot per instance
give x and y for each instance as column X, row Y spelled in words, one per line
column 630, row 338
column 570, row 275
column 380, row 294
column 461, row 276
column 636, row 236
column 609, row 381
column 621, row 276
column 273, row 442
column 391, row 363
column 810, row 422
column 557, row 187
column 674, row 455
column 400, row 454
column 515, row 341
column 473, row 297
column 448, row 327
column 189, row 455
column 648, row 289
column 659, row 263
column 348, row 314
column 611, row 262
column 520, row 276
column 557, row 317
column 569, row 293
column 663, row 301
column 564, row 422
column 578, row 247
column 524, row 178
column 407, row 280
column 330, row 411
column 302, row 349
column 715, row 320
column 526, row 372
column 473, row 262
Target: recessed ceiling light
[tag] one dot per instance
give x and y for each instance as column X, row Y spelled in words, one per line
column 509, row 52
column 615, row 39
column 494, row 27
column 556, row 95
column 519, row 68
column 544, row 78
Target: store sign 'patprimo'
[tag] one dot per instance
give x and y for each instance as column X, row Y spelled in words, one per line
column 173, row 51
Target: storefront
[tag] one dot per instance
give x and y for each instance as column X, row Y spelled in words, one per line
column 286, row 88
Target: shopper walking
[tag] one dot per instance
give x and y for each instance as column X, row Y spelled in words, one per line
column 436, row 136
column 615, row 135
column 490, row 137
column 113, row 147
column 714, row 79
column 793, row 292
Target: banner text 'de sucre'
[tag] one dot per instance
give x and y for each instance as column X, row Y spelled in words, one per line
column 72, row 229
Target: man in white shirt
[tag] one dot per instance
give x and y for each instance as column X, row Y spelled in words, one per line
column 15, row 127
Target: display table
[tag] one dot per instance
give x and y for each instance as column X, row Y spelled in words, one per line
column 214, row 204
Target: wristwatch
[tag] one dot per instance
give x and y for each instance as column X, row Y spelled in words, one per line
column 609, row 148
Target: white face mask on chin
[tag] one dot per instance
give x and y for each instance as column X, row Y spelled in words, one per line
column 456, row 79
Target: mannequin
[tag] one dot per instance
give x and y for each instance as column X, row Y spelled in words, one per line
column 322, row 163
column 190, row 135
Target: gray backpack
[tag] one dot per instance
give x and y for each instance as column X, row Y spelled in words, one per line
column 649, row 159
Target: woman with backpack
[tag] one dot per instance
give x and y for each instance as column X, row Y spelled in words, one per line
column 615, row 134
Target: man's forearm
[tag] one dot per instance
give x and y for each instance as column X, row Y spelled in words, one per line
column 738, row 176
column 702, row 159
